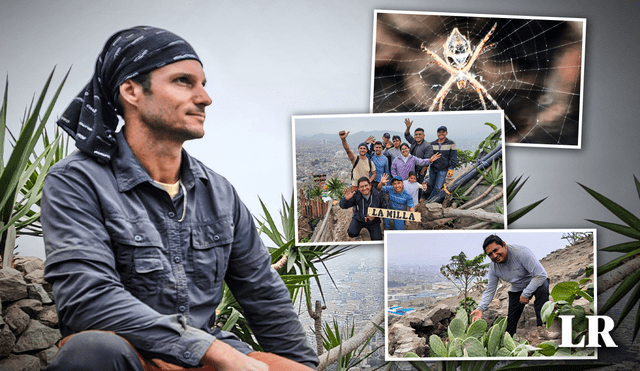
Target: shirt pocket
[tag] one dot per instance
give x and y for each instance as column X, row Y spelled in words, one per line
column 209, row 252
column 140, row 261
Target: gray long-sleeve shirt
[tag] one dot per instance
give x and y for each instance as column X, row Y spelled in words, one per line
column 120, row 260
column 522, row 270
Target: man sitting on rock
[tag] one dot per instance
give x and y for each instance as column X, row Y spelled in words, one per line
column 140, row 236
column 518, row 266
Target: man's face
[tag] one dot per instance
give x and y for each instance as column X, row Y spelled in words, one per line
column 377, row 149
column 419, row 135
column 175, row 106
column 396, row 143
column 442, row 134
column 405, row 151
column 497, row 253
column 385, row 140
column 362, row 150
column 398, row 186
column 364, row 188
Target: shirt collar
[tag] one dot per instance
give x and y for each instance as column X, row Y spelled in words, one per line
column 129, row 173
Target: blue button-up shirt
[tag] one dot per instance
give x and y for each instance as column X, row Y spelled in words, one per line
column 120, row 260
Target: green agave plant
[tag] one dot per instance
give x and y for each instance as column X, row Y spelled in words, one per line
column 628, row 249
column 336, row 188
column 333, row 337
column 22, row 176
column 295, row 264
column 512, row 190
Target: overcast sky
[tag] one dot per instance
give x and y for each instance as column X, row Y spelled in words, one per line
column 268, row 61
column 437, row 247
column 455, row 122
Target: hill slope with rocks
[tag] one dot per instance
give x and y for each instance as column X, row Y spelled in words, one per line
column 410, row 333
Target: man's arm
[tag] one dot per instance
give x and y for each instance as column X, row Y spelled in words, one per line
column 425, row 162
column 88, row 292
column 343, row 137
column 373, row 174
column 348, row 200
column 487, row 296
column 407, row 132
column 262, row 294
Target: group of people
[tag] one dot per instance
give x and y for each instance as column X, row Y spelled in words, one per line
column 404, row 165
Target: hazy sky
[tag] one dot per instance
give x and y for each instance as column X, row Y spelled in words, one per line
column 437, row 247
column 454, row 121
column 268, row 61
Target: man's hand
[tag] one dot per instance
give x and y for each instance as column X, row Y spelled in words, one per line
column 408, row 123
column 371, row 139
column 384, row 178
column 424, row 170
column 348, row 193
column 412, row 209
column 435, row 157
column 343, row 134
column 369, row 218
column 524, row 300
column 224, row 357
column 450, row 173
column 389, row 144
column 476, row 315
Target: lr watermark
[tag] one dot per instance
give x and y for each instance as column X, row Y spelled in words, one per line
column 567, row 336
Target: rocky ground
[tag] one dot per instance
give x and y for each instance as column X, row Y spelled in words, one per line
column 28, row 324
column 410, row 333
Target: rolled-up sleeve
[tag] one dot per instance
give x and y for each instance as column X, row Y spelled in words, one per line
column 262, row 294
column 88, row 292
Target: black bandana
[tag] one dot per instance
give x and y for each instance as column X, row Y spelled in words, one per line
column 91, row 117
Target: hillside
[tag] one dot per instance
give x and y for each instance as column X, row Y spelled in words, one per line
column 410, row 333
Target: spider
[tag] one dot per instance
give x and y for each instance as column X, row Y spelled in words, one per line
column 459, row 58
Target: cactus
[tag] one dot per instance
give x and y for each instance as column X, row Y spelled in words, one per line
column 473, row 340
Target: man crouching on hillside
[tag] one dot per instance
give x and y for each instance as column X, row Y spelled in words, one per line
column 361, row 200
column 140, row 236
column 518, row 266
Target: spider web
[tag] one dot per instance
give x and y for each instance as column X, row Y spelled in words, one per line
column 531, row 67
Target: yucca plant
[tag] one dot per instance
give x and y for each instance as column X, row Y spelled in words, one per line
column 625, row 267
column 512, row 190
column 314, row 192
column 333, row 337
column 295, row 264
column 336, row 188
column 22, row 176
column 490, row 142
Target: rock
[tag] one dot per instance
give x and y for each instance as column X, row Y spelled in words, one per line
column 439, row 312
column 46, row 356
column 7, row 341
column 36, row 291
column 49, row 317
column 31, row 307
column 12, row 285
column 37, row 276
column 16, row 319
column 36, row 337
column 406, row 340
column 22, row 362
column 28, row 264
